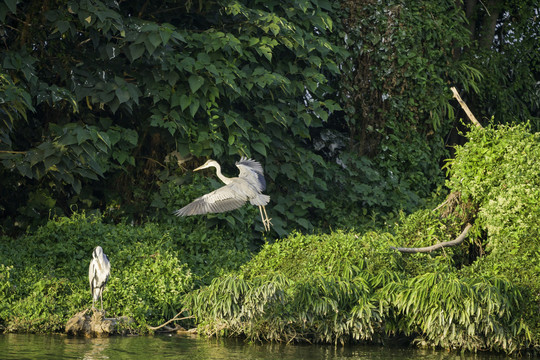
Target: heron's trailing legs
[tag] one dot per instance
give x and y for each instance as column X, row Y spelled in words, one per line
column 264, row 218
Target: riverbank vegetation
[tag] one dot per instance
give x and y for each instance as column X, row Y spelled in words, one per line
column 106, row 107
column 341, row 287
column 335, row 287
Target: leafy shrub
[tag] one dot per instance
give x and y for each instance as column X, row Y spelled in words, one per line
column 342, row 287
column 498, row 170
column 44, row 281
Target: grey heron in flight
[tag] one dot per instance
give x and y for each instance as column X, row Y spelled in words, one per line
column 249, row 185
column 98, row 274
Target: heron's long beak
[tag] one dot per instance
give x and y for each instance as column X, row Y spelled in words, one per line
column 199, row 168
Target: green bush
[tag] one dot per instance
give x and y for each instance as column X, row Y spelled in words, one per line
column 343, row 287
column 44, row 275
column 498, row 170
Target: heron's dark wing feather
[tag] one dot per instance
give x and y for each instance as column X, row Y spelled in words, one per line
column 91, row 272
column 252, row 171
column 92, row 275
column 107, row 269
column 225, row 198
column 251, row 164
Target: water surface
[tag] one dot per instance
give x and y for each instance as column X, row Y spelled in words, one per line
column 31, row 346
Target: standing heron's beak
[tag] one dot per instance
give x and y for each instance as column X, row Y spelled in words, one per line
column 199, row 168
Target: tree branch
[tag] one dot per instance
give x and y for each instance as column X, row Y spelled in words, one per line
column 175, row 318
column 465, row 107
column 12, row 152
column 431, row 248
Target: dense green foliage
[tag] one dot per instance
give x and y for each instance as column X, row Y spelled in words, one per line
column 505, row 47
column 107, row 105
column 332, row 288
column 396, row 100
column 498, row 170
column 346, row 287
column 116, row 98
column 44, row 276
column 350, row 288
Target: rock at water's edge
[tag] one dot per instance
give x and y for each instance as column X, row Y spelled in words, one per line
column 96, row 325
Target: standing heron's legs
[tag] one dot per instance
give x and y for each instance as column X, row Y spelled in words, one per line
column 101, row 298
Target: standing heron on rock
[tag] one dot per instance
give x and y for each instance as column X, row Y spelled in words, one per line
column 249, row 185
column 98, row 274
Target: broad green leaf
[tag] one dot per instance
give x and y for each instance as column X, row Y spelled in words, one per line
column 259, row 147
column 155, row 39
column 304, row 223
column 11, row 5
column 101, row 147
column 120, row 156
column 50, row 161
column 82, row 135
column 165, row 34
column 76, row 185
column 136, row 51
column 195, row 82
column 194, row 107
column 122, row 94
column 203, row 58
column 62, row 26
column 266, row 51
column 185, row 101
column 130, row 136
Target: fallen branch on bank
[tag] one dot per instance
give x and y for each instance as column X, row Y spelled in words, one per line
column 175, row 318
column 452, row 198
column 431, row 248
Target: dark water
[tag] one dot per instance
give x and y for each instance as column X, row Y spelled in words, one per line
column 22, row 346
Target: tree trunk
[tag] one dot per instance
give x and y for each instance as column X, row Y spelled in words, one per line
column 489, row 23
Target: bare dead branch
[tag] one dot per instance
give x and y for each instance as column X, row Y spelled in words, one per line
column 465, row 107
column 431, row 248
column 175, row 318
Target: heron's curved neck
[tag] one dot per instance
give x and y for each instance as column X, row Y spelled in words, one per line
column 221, row 177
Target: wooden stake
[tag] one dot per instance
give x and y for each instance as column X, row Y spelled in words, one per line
column 465, row 107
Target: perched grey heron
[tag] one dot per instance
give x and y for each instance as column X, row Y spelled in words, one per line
column 249, row 185
column 98, row 274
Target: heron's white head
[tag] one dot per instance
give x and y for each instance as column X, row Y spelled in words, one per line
column 207, row 164
column 97, row 253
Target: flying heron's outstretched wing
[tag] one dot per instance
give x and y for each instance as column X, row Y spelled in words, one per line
column 252, row 171
column 226, row 198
